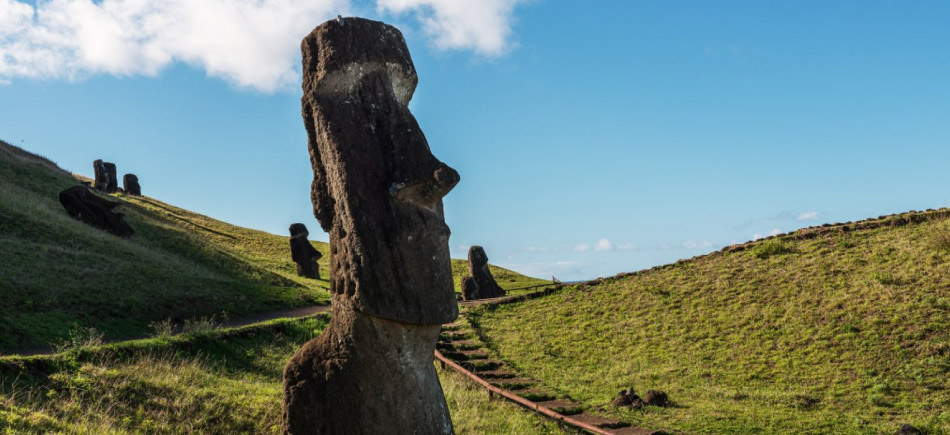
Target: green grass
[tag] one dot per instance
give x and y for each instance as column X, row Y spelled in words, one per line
column 212, row 382
column 846, row 332
column 506, row 279
column 59, row 273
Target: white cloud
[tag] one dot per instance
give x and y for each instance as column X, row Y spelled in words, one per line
column 812, row 215
column 252, row 44
column 756, row 236
column 692, row 244
column 775, row 232
column 626, row 247
column 582, row 248
column 603, row 245
column 480, row 25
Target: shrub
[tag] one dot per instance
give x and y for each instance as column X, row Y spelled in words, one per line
column 770, row 248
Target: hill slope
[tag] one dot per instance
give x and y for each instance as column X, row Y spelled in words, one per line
column 57, row 273
column 843, row 329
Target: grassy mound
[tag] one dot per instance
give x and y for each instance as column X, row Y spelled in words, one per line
column 59, row 274
column 842, row 329
column 203, row 382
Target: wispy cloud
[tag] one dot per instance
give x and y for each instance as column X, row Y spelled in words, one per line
column 774, row 232
column 626, row 247
column 808, row 216
column 582, row 247
column 483, row 26
column 603, row 245
column 251, row 44
column 692, row 244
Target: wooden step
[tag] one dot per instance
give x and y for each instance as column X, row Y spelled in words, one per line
column 495, row 374
column 631, row 430
column 465, row 355
column 513, row 383
column 459, row 345
column 562, row 406
column 536, row 395
column 601, row 422
column 481, row 364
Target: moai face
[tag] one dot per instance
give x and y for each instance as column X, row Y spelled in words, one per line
column 377, row 187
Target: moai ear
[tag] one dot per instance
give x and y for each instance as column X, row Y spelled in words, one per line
column 319, row 190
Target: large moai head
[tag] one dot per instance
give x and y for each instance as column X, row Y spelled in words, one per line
column 377, row 188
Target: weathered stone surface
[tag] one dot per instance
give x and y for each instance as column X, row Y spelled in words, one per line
column 478, row 269
column 130, row 182
column 907, row 429
column 106, row 178
column 626, row 398
column 82, row 204
column 303, row 253
column 469, row 289
column 378, row 191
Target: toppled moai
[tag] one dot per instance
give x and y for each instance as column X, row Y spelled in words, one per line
column 130, row 183
column 378, row 191
column 478, row 269
column 106, row 179
column 303, row 253
column 81, row 203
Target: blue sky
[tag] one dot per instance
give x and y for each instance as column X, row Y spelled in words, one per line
column 592, row 137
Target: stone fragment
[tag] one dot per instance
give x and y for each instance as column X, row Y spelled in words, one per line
column 106, row 178
column 81, row 203
column 130, row 182
column 303, row 253
column 478, row 269
column 378, row 191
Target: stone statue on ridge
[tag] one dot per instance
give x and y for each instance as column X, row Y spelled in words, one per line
column 480, row 284
column 106, row 178
column 377, row 190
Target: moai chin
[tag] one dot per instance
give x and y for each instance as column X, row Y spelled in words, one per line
column 378, row 191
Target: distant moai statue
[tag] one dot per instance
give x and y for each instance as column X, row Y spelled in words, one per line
column 478, row 269
column 130, row 183
column 82, row 204
column 106, row 178
column 303, row 253
column 377, row 190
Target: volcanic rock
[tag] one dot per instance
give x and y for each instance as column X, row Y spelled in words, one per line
column 303, row 253
column 130, row 183
column 81, row 203
column 106, row 178
column 478, row 269
column 378, row 191
column 469, row 289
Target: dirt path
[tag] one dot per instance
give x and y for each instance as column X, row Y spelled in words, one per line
column 288, row 313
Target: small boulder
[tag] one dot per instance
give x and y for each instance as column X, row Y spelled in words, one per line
column 130, row 182
column 656, row 398
column 625, row 398
column 907, row 429
column 82, row 204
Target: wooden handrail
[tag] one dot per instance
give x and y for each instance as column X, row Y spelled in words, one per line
column 558, row 417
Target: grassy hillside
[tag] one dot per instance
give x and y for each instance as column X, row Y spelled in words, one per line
column 204, row 382
column 57, row 273
column 843, row 329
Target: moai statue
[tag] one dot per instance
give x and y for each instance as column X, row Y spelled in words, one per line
column 84, row 205
column 130, row 183
column 303, row 253
column 478, row 269
column 106, row 178
column 470, row 289
column 378, row 191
